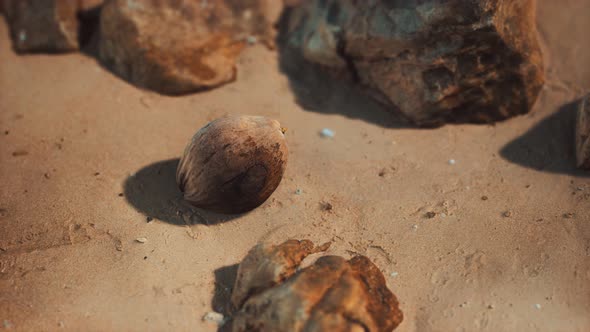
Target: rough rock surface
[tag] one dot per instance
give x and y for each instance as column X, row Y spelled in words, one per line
column 583, row 133
column 42, row 26
column 432, row 61
column 332, row 294
column 180, row 46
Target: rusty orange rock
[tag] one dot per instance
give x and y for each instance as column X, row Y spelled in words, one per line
column 179, row 46
column 332, row 294
column 431, row 62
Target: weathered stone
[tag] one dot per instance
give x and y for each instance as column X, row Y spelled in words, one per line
column 42, row 26
column 583, row 133
column 332, row 294
column 431, row 61
column 179, row 46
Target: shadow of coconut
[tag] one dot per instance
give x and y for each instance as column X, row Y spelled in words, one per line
column 153, row 191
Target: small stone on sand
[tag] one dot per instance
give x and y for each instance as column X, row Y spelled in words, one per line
column 327, row 133
column 251, row 40
column 214, row 317
column 141, row 240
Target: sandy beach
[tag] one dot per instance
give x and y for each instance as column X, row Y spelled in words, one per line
column 87, row 158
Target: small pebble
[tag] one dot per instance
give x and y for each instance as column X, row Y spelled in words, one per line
column 327, row 133
column 394, row 274
column 22, row 35
column 568, row 215
column 214, row 317
column 538, row 306
column 442, row 215
column 251, row 40
column 19, row 153
column 415, row 227
column 484, row 198
column 120, row 194
column 326, row 206
column 298, row 191
column 430, row 215
column 507, row 214
column 452, row 162
column 141, row 240
column 149, row 219
column 490, row 306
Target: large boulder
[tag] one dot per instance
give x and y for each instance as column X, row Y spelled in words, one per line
column 431, row 61
column 583, row 133
column 180, row 46
column 332, row 294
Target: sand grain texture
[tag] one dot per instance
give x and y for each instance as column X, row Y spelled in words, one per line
column 68, row 255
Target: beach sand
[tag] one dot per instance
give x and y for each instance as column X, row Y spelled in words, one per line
column 86, row 158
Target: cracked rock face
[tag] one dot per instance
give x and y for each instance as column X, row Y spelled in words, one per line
column 583, row 133
column 431, row 61
column 332, row 294
column 180, row 46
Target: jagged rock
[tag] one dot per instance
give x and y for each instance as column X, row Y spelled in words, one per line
column 583, row 133
column 180, row 46
column 431, row 61
column 332, row 294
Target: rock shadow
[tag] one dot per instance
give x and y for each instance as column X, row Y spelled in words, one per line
column 549, row 146
column 225, row 277
column 320, row 91
column 153, row 191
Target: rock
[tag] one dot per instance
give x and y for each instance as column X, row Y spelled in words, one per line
column 180, row 46
column 214, row 317
column 431, row 61
column 42, row 26
column 332, row 294
column 583, row 133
